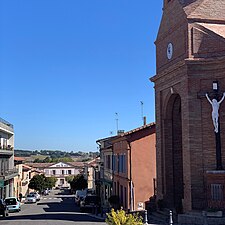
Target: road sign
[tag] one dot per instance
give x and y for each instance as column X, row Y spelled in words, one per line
column 1, row 183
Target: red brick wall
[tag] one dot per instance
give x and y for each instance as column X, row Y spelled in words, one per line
column 191, row 71
column 143, row 167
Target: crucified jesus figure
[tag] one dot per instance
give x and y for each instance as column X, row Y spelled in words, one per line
column 215, row 110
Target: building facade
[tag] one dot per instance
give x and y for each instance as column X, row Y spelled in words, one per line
column 61, row 171
column 106, row 170
column 7, row 170
column 190, row 54
column 91, row 174
column 25, row 174
column 134, row 167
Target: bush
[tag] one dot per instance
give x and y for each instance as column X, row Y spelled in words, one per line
column 161, row 204
column 121, row 218
column 114, row 199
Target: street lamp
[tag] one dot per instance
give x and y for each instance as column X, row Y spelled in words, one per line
column 215, row 86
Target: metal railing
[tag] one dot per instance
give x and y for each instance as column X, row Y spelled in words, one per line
column 6, row 123
column 4, row 147
column 8, row 172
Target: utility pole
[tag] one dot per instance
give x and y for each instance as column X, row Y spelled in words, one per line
column 117, row 122
column 142, row 111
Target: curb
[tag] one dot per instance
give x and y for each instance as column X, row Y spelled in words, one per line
column 96, row 216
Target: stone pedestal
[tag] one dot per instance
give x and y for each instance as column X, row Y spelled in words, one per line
column 216, row 189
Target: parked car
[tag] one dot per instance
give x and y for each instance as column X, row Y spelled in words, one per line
column 38, row 197
column 3, row 209
column 13, row 204
column 31, row 198
column 78, row 195
column 45, row 192
column 90, row 202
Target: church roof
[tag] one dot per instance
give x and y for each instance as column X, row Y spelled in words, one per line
column 219, row 29
column 204, row 9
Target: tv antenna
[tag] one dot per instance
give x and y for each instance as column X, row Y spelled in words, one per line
column 142, row 110
column 117, row 122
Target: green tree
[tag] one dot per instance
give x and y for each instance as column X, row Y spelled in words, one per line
column 78, row 182
column 40, row 182
column 37, row 160
column 119, row 217
column 50, row 182
column 69, row 179
column 37, row 182
column 47, row 160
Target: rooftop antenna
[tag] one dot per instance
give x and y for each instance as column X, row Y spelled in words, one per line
column 142, row 110
column 117, row 122
column 142, row 113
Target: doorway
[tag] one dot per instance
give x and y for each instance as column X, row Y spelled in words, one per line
column 173, row 154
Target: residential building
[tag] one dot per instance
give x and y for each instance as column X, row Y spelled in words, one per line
column 91, row 174
column 61, row 171
column 106, row 172
column 134, row 166
column 18, row 160
column 7, row 170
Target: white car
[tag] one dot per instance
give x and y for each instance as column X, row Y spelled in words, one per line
column 79, row 195
column 13, row 204
column 31, row 198
column 37, row 196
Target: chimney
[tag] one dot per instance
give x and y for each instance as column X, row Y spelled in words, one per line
column 119, row 132
column 144, row 120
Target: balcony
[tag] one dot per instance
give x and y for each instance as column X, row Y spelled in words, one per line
column 6, row 126
column 24, row 183
column 6, row 150
column 6, row 147
column 9, row 174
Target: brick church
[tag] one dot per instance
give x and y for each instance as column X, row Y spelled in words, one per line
column 190, row 53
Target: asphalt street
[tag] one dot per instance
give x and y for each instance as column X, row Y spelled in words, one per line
column 57, row 208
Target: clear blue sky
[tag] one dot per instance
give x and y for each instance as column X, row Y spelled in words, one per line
column 67, row 66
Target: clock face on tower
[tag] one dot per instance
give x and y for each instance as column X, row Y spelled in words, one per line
column 169, row 51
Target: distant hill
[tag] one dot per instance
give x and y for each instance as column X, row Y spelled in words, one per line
column 54, row 155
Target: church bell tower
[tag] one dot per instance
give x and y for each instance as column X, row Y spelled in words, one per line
column 190, row 58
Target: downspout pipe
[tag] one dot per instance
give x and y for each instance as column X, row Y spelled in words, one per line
column 130, row 179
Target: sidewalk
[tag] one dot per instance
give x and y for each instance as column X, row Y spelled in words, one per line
column 98, row 216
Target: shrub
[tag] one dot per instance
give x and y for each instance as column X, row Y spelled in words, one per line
column 121, row 218
column 114, row 201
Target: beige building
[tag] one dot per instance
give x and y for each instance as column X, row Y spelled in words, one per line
column 7, row 170
column 25, row 174
column 91, row 173
column 61, row 171
column 106, row 169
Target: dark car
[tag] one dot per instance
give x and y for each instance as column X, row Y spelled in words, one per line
column 3, row 209
column 90, row 202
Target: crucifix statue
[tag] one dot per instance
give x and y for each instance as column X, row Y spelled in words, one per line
column 215, row 110
column 215, row 102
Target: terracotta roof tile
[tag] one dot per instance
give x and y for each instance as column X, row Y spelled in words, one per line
column 39, row 165
column 138, row 129
column 18, row 158
column 204, row 9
